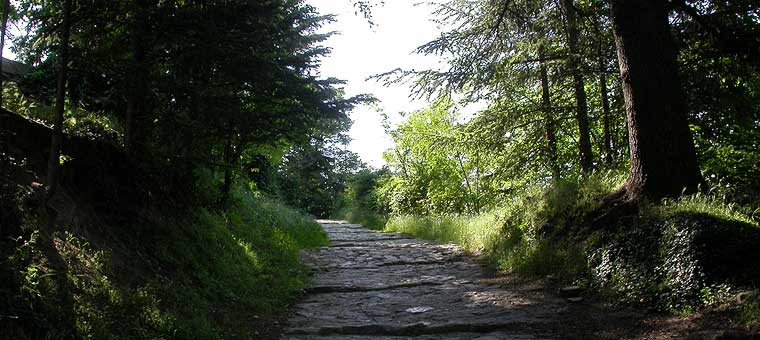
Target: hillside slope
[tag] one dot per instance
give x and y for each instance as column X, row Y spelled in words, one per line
column 132, row 255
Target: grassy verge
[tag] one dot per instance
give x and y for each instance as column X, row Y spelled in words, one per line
column 514, row 236
column 187, row 275
column 681, row 255
column 368, row 219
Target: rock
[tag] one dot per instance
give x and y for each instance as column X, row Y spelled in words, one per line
column 742, row 297
column 737, row 335
column 418, row 310
column 575, row 299
column 570, row 291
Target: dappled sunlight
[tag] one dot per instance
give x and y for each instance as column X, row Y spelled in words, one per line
column 250, row 254
column 500, row 298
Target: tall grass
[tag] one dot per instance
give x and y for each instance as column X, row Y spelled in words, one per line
column 712, row 205
column 508, row 237
column 186, row 274
column 472, row 233
column 676, row 255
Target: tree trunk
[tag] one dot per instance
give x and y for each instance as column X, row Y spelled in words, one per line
column 468, row 186
column 606, row 118
column 56, row 142
column 6, row 8
column 663, row 159
column 227, row 185
column 550, row 133
column 620, row 140
column 581, row 103
column 137, row 85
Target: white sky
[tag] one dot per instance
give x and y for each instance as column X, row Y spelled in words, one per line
column 360, row 51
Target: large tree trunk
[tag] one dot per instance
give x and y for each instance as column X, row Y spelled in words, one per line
column 6, row 8
column 550, row 133
column 134, row 122
column 581, row 104
column 663, row 160
column 56, row 142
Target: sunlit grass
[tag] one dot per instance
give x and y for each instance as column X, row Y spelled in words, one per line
column 472, row 233
column 506, row 235
column 707, row 204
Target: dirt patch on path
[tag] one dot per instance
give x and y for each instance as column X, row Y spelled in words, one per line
column 373, row 285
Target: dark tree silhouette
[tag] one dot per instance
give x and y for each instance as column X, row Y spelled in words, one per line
column 663, row 159
column 56, row 142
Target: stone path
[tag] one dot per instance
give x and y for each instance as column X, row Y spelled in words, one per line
column 383, row 286
column 372, row 285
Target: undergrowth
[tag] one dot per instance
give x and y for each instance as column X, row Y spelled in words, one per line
column 187, row 274
column 78, row 120
column 679, row 255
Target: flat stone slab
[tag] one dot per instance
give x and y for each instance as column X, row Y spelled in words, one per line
column 450, row 336
column 383, row 254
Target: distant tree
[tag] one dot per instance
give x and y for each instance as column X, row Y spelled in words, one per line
column 501, row 52
column 3, row 32
column 313, row 177
column 575, row 65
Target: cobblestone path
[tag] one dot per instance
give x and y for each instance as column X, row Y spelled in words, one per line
column 372, row 285
column 383, row 286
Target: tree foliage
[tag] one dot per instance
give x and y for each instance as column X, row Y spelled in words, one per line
column 193, row 84
column 538, row 67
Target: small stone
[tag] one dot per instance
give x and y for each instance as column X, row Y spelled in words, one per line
column 570, row 291
column 575, row 299
column 418, row 310
column 735, row 335
column 742, row 297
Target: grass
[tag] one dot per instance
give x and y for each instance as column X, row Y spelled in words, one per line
column 189, row 275
column 710, row 205
column 472, row 233
column 679, row 255
column 368, row 219
column 509, row 236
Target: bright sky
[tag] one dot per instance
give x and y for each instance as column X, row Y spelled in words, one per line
column 360, row 51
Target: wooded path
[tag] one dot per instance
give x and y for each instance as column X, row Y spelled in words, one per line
column 373, row 285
